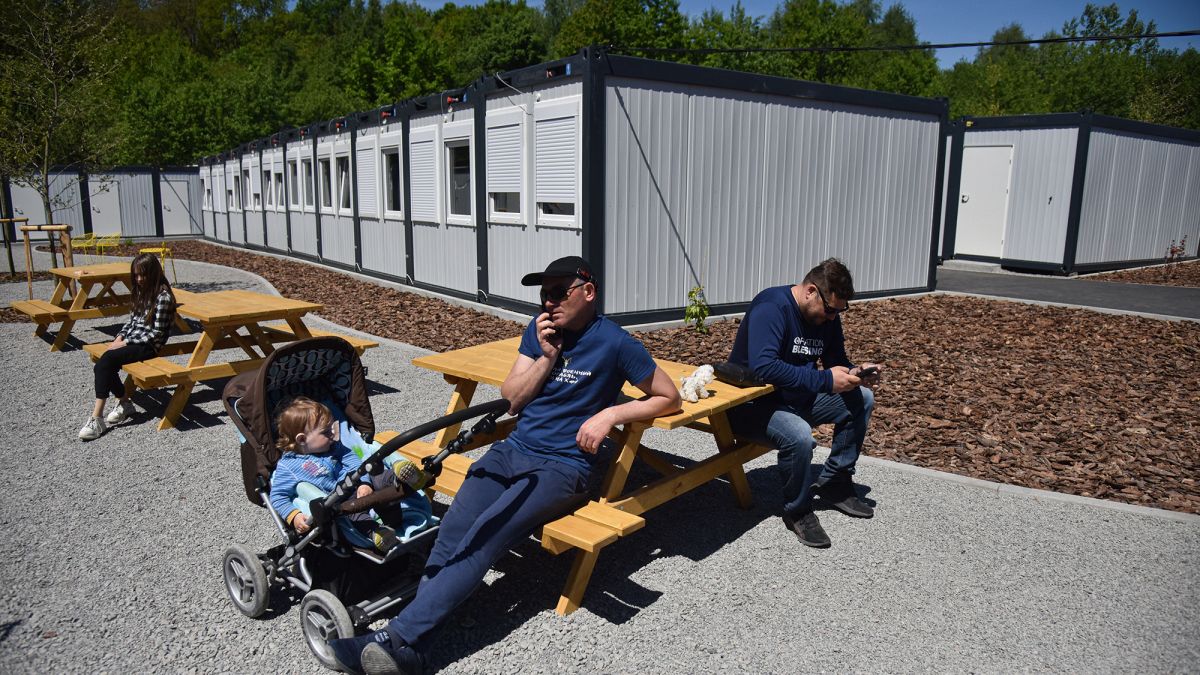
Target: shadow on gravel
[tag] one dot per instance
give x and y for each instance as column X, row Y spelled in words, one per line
column 210, row 286
column 694, row 526
column 6, row 629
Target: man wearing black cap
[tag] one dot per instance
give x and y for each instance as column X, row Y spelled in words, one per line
column 570, row 367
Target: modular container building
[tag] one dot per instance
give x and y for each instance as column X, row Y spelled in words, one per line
column 664, row 176
column 1068, row 193
column 135, row 202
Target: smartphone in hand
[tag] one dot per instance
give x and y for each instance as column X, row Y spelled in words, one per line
column 867, row 372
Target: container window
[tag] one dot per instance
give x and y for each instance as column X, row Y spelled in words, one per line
column 458, row 177
column 266, row 187
column 325, row 180
column 393, row 178
column 294, row 182
column 343, row 182
column 308, row 183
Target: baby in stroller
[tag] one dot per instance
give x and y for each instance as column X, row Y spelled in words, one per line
column 314, row 461
column 327, row 552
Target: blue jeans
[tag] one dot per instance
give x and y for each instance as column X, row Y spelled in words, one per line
column 507, row 493
column 790, row 431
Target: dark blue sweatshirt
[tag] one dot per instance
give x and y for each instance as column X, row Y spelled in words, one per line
column 783, row 349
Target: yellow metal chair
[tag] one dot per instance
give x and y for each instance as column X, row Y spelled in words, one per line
column 84, row 244
column 163, row 252
column 106, row 241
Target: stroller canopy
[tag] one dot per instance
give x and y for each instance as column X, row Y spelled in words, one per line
column 325, row 369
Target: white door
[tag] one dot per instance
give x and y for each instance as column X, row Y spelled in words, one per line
column 104, row 196
column 983, row 200
column 177, row 218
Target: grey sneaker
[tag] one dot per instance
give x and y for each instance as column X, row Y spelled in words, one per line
column 120, row 413
column 92, row 429
column 807, row 528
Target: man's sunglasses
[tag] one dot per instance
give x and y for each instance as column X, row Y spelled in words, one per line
column 830, row 310
column 558, row 293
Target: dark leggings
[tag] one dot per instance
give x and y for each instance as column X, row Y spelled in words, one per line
column 108, row 368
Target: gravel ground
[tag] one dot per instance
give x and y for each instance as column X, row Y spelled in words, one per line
column 122, row 572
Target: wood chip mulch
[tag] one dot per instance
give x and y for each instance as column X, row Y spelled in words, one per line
column 1069, row 400
column 1174, row 274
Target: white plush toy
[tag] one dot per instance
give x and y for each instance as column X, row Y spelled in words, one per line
column 694, row 388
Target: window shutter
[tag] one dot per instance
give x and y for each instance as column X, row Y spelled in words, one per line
column 504, row 158
column 424, row 181
column 554, row 163
column 368, row 185
column 255, row 177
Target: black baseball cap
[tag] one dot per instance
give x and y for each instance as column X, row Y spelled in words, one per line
column 570, row 266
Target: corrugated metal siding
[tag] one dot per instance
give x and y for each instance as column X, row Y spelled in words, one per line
column 255, row 227
column 383, row 246
column 515, row 250
column 698, row 179
column 337, row 239
column 137, row 204
column 444, row 255
column 304, row 233
column 1136, row 197
column 27, row 203
column 1040, row 192
column 510, row 98
column 69, row 210
column 104, row 199
column 945, row 187
column 277, row 231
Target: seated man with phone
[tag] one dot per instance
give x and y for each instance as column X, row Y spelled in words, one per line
column 786, row 331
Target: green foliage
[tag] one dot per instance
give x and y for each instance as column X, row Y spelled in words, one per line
column 168, row 81
column 697, row 310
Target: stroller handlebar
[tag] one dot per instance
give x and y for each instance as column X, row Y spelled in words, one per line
column 324, row 510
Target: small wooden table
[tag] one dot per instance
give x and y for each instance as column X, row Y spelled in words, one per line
column 618, row 511
column 229, row 319
column 69, row 306
column 64, row 236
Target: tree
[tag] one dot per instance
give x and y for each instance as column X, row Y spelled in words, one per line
column 623, row 23
column 714, row 31
column 55, row 70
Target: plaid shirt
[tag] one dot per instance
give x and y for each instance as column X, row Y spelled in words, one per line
column 138, row 331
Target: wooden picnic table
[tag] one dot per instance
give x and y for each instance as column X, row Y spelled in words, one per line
column 111, row 297
column 228, row 319
column 619, row 508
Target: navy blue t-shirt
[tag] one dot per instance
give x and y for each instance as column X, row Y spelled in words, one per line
column 592, row 367
column 783, row 348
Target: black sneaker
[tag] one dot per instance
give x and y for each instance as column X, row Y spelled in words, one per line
column 841, row 496
column 393, row 657
column 384, row 538
column 808, row 529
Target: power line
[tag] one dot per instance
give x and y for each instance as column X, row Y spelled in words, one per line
column 901, row 48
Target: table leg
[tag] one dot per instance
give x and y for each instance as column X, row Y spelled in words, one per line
column 299, row 328
column 60, row 292
column 577, row 581
column 179, row 399
column 618, row 471
column 464, row 391
column 260, row 337
column 64, row 332
column 726, row 443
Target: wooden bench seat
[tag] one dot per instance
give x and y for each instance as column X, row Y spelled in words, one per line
column 40, row 310
column 359, row 344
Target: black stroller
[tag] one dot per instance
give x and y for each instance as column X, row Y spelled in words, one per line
column 346, row 586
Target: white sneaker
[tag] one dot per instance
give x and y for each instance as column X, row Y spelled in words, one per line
column 120, row 413
column 92, row 429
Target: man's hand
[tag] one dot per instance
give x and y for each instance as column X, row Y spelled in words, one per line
column 300, row 523
column 117, row 343
column 873, row 380
column 549, row 337
column 594, row 430
column 843, row 380
column 363, row 491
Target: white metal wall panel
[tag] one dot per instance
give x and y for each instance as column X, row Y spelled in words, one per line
column 514, row 250
column 698, row 177
column 528, row 97
column 337, row 239
column 137, row 204
column 1136, row 197
column 383, row 246
column 68, row 206
column 444, row 255
column 180, row 218
column 945, row 188
column 104, row 199
column 27, row 203
column 722, row 218
column 645, row 197
column 304, row 233
column 1040, row 196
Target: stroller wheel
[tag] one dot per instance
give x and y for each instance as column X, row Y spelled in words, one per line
column 323, row 617
column 246, row 581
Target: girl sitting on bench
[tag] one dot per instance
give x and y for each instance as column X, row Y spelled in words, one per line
column 141, row 338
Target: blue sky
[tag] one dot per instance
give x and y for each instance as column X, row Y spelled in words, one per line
column 975, row 20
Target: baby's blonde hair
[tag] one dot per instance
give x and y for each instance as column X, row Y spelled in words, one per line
column 297, row 417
